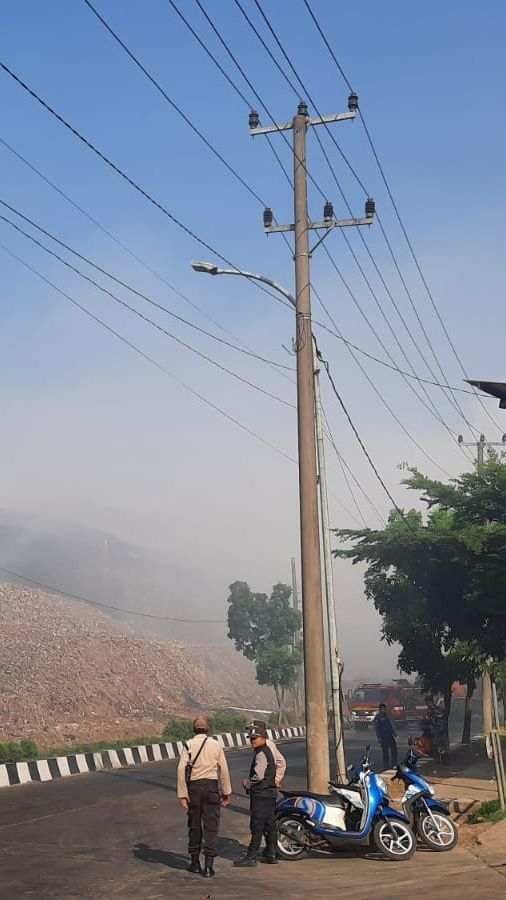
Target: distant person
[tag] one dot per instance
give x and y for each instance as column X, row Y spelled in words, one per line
column 386, row 736
column 264, row 777
column 203, row 786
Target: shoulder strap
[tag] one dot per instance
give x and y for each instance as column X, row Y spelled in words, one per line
column 199, row 751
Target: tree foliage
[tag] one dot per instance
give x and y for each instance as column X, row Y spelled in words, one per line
column 263, row 629
column 439, row 581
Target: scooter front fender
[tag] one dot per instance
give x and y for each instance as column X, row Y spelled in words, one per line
column 389, row 813
column 437, row 806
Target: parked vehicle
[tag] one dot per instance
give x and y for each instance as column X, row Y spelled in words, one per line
column 429, row 818
column 433, row 738
column 404, row 701
column 349, row 814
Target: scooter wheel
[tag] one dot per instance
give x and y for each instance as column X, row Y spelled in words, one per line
column 291, row 838
column 394, row 839
column 437, row 832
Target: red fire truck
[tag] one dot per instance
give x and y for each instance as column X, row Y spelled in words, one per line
column 403, row 700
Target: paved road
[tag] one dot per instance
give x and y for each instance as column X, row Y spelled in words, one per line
column 121, row 834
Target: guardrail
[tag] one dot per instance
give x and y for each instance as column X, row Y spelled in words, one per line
column 38, row 770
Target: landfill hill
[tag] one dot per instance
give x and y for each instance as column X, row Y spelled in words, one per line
column 70, row 674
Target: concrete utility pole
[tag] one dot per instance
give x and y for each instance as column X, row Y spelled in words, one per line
column 335, row 662
column 486, row 685
column 299, row 685
column 318, row 770
column 335, row 666
column 317, row 748
column 314, row 659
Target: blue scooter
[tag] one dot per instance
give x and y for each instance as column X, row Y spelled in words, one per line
column 429, row 818
column 308, row 821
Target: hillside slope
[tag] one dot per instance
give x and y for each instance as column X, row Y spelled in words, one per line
column 68, row 672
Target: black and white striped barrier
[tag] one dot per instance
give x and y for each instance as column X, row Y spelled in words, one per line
column 79, row 763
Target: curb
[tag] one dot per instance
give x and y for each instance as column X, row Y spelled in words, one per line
column 79, row 763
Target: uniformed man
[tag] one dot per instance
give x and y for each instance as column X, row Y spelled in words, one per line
column 279, row 759
column 203, row 786
column 267, row 769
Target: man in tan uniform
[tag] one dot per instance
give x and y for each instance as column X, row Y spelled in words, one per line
column 202, row 766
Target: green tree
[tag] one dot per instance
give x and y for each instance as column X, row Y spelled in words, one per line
column 439, row 583
column 278, row 665
column 263, row 629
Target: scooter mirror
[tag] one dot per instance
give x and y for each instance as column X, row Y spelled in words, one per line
column 410, row 742
column 367, row 747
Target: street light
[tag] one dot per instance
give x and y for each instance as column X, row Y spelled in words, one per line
column 208, row 268
column 335, row 673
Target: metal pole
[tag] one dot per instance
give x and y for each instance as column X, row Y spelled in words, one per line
column 495, row 705
column 495, row 744
column 487, row 704
column 499, row 761
column 480, row 446
column 486, row 682
column 335, row 673
column 299, row 685
column 317, row 745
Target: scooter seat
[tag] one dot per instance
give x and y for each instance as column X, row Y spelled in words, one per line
column 327, row 799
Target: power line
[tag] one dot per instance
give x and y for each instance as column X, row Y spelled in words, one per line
column 158, row 365
column 140, row 315
column 241, row 70
column 345, row 466
column 130, row 612
column 397, row 214
column 211, row 23
column 150, row 359
column 139, row 294
column 227, row 77
column 173, row 104
column 362, row 238
column 384, row 363
column 113, row 165
column 380, row 396
column 161, row 278
column 391, row 298
column 124, row 176
column 328, row 435
column 178, row 109
column 360, row 441
column 255, row 92
column 239, row 345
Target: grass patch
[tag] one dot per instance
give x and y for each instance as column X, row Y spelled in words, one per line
column 489, row 811
column 502, row 735
column 177, row 729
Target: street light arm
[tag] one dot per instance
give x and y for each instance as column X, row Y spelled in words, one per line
column 210, row 269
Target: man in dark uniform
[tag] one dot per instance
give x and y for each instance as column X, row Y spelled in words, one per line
column 386, row 736
column 261, row 786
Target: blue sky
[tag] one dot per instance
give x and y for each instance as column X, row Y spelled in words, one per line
column 90, row 425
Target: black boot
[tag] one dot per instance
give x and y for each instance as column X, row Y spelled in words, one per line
column 247, row 862
column 208, row 867
column 269, row 855
column 195, row 867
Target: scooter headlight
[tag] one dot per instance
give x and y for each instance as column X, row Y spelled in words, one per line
column 411, row 791
column 382, row 784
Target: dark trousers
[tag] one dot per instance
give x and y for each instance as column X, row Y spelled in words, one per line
column 203, row 816
column 389, row 749
column 262, row 824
